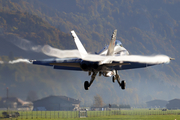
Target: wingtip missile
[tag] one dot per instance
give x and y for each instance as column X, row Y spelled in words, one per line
column 172, row 58
column 31, row 61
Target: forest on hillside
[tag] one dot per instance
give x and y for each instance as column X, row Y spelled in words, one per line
column 144, row 27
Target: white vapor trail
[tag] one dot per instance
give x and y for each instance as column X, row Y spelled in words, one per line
column 19, row 60
column 155, row 59
column 24, row 44
column 54, row 52
column 16, row 61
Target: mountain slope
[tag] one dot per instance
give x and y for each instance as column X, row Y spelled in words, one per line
column 32, row 28
column 144, row 27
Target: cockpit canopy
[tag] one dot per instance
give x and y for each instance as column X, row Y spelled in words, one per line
column 118, row 43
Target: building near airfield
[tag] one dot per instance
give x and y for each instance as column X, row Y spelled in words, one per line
column 173, row 104
column 55, row 103
column 15, row 103
column 156, row 104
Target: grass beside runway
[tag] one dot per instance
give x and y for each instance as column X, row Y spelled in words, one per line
column 117, row 117
column 136, row 117
column 138, row 114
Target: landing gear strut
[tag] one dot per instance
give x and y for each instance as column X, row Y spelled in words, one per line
column 122, row 84
column 88, row 84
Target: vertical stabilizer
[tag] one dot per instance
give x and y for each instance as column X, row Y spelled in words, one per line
column 78, row 44
column 112, row 43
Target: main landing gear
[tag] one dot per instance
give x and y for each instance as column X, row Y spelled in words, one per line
column 122, row 84
column 88, row 84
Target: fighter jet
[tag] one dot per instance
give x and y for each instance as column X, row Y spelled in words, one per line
column 107, row 62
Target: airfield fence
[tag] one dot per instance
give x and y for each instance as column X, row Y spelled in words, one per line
column 62, row 114
column 77, row 114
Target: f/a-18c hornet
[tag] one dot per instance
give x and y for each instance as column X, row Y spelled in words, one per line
column 107, row 62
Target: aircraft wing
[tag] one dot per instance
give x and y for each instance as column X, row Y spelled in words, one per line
column 65, row 54
column 132, row 61
column 119, row 62
column 72, row 58
column 156, row 59
column 65, row 64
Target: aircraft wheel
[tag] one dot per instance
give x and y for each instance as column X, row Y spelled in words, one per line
column 86, row 85
column 123, row 84
column 113, row 79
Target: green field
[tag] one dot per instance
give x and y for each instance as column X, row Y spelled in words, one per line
column 118, row 117
column 138, row 114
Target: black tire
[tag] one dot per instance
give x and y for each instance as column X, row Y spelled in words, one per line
column 86, row 85
column 113, row 79
column 123, row 84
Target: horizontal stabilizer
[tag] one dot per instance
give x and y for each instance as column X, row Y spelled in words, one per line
column 116, row 64
column 66, row 64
